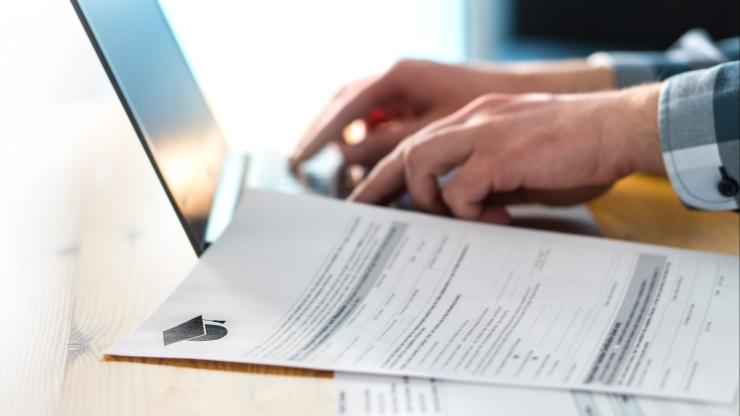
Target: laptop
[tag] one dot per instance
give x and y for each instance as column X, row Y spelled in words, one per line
column 203, row 178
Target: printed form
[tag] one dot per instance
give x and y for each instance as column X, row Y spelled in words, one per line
column 371, row 395
column 311, row 282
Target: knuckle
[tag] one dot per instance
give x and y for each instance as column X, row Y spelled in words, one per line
column 404, row 151
column 501, row 180
column 485, row 100
column 405, row 63
column 398, row 67
column 414, row 156
column 403, row 66
column 485, row 107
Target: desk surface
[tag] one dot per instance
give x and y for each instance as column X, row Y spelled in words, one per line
column 95, row 248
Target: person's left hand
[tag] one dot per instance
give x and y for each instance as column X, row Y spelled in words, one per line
column 507, row 149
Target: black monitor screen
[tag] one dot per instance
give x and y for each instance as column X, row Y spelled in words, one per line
column 625, row 24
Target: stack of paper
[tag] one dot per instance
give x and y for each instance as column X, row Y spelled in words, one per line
column 317, row 283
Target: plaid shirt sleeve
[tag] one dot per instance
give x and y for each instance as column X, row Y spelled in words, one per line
column 694, row 50
column 699, row 118
column 699, row 113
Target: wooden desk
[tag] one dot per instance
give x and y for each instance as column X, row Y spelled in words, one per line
column 95, row 248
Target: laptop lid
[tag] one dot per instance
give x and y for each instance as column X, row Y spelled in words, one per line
column 162, row 99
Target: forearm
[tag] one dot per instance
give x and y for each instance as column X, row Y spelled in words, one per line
column 565, row 76
column 569, row 76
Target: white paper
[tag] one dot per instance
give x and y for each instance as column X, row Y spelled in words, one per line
column 317, row 283
column 371, row 395
column 360, row 394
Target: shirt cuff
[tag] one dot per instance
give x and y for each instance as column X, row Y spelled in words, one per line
column 691, row 152
column 630, row 68
column 694, row 50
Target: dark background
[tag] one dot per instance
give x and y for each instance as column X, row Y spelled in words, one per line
column 625, row 24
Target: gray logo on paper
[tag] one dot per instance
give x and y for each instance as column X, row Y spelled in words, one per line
column 196, row 329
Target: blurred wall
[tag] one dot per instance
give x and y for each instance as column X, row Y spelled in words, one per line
column 268, row 67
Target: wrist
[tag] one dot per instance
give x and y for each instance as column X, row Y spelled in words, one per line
column 634, row 127
column 572, row 76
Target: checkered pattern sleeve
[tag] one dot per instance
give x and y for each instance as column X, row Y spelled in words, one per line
column 694, row 50
column 699, row 117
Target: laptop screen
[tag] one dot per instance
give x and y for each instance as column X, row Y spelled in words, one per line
column 163, row 101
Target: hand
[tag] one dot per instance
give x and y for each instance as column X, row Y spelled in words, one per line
column 507, row 149
column 420, row 92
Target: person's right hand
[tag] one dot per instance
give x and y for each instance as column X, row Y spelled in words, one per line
column 503, row 149
column 419, row 92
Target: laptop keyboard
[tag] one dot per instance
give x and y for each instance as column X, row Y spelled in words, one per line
column 271, row 170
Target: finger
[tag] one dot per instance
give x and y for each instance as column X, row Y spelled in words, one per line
column 383, row 183
column 381, row 141
column 431, row 158
column 354, row 102
column 468, row 195
column 466, row 192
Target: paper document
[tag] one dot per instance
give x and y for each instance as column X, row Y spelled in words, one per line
column 371, row 395
column 318, row 283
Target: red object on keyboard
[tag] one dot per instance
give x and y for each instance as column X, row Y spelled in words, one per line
column 378, row 115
